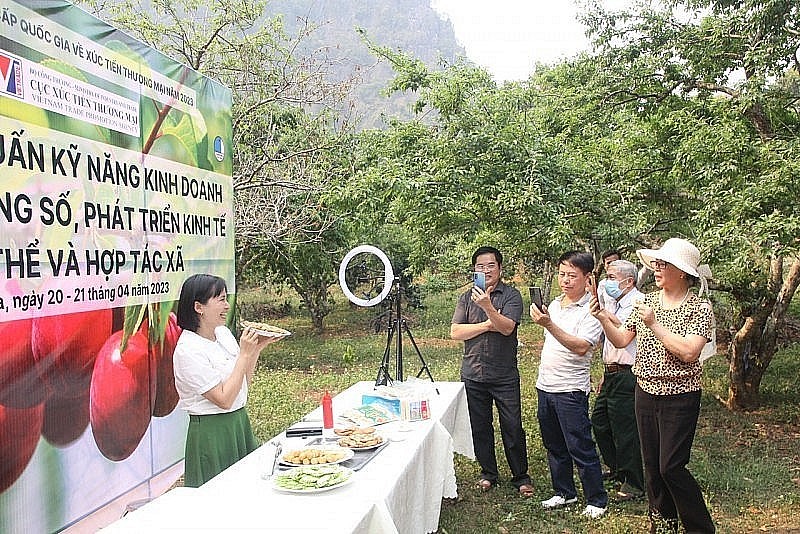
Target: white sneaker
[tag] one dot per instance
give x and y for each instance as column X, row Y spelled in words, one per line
column 593, row 512
column 557, row 501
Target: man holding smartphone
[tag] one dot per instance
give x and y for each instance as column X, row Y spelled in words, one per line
column 613, row 417
column 486, row 321
column 563, row 386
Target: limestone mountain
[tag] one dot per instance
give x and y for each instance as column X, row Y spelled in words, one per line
column 412, row 26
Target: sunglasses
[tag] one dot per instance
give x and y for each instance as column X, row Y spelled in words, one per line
column 659, row 265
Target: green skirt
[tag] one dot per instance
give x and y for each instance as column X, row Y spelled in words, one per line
column 214, row 443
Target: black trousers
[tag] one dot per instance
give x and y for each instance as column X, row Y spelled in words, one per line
column 506, row 396
column 667, row 424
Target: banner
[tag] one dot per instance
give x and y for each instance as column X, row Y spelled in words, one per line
column 115, row 186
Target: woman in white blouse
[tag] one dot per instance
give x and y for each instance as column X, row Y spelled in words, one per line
column 212, row 371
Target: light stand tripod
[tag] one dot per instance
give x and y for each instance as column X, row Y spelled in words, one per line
column 398, row 324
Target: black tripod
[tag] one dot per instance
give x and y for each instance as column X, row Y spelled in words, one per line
column 398, row 324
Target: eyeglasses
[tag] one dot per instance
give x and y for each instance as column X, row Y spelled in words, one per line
column 485, row 266
column 659, row 265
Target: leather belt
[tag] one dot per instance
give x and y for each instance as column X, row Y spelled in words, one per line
column 612, row 368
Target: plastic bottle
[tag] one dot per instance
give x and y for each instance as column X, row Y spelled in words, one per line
column 327, row 415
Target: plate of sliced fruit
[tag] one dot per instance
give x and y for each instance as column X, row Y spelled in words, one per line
column 313, row 479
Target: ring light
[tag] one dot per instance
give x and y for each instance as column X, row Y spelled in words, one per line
column 388, row 275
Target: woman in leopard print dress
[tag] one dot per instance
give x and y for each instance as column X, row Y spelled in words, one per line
column 671, row 327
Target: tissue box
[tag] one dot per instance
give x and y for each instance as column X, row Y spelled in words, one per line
column 415, row 410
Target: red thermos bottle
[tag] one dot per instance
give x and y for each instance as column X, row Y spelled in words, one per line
column 327, row 411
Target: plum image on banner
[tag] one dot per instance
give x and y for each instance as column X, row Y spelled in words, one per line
column 65, row 348
column 166, row 393
column 65, row 419
column 122, row 395
column 20, row 383
column 19, row 434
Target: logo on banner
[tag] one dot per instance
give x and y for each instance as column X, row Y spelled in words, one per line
column 10, row 75
column 219, row 148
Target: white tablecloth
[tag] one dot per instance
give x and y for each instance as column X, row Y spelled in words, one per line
column 399, row 491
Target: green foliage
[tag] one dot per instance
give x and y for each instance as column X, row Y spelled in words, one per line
column 719, row 90
column 310, row 268
column 493, row 170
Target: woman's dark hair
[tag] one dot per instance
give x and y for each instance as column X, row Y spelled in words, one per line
column 582, row 260
column 498, row 256
column 197, row 288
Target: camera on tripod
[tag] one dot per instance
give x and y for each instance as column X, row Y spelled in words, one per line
column 362, row 275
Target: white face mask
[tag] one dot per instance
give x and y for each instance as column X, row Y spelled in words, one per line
column 612, row 288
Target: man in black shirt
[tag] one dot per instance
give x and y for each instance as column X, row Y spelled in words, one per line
column 487, row 323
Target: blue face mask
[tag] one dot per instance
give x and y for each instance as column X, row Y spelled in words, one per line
column 612, row 289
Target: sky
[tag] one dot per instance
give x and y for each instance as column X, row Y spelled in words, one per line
column 508, row 37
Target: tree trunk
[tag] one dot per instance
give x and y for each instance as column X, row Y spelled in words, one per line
column 317, row 323
column 745, row 369
column 317, row 309
column 754, row 345
column 315, row 298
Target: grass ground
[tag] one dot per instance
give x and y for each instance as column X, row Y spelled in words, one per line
column 747, row 463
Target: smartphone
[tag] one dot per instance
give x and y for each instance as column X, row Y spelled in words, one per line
column 536, row 297
column 479, row 279
column 593, row 285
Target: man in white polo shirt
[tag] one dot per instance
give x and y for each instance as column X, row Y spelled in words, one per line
column 563, row 386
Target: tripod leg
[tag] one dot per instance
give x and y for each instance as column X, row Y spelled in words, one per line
column 383, row 371
column 421, row 359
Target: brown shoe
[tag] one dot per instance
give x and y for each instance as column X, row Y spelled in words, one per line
column 526, row 490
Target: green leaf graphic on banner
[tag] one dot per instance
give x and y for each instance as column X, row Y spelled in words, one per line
column 216, row 112
column 202, row 143
column 124, row 50
column 172, row 147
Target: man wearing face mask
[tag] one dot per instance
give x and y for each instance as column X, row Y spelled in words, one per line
column 613, row 418
column 607, row 257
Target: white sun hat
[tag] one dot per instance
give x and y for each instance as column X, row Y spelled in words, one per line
column 683, row 255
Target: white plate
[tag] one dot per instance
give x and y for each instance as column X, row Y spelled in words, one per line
column 348, row 453
column 309, row 491
column 368, row 447
column 266, row 333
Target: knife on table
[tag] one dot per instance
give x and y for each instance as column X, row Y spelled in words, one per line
column 278, row 450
